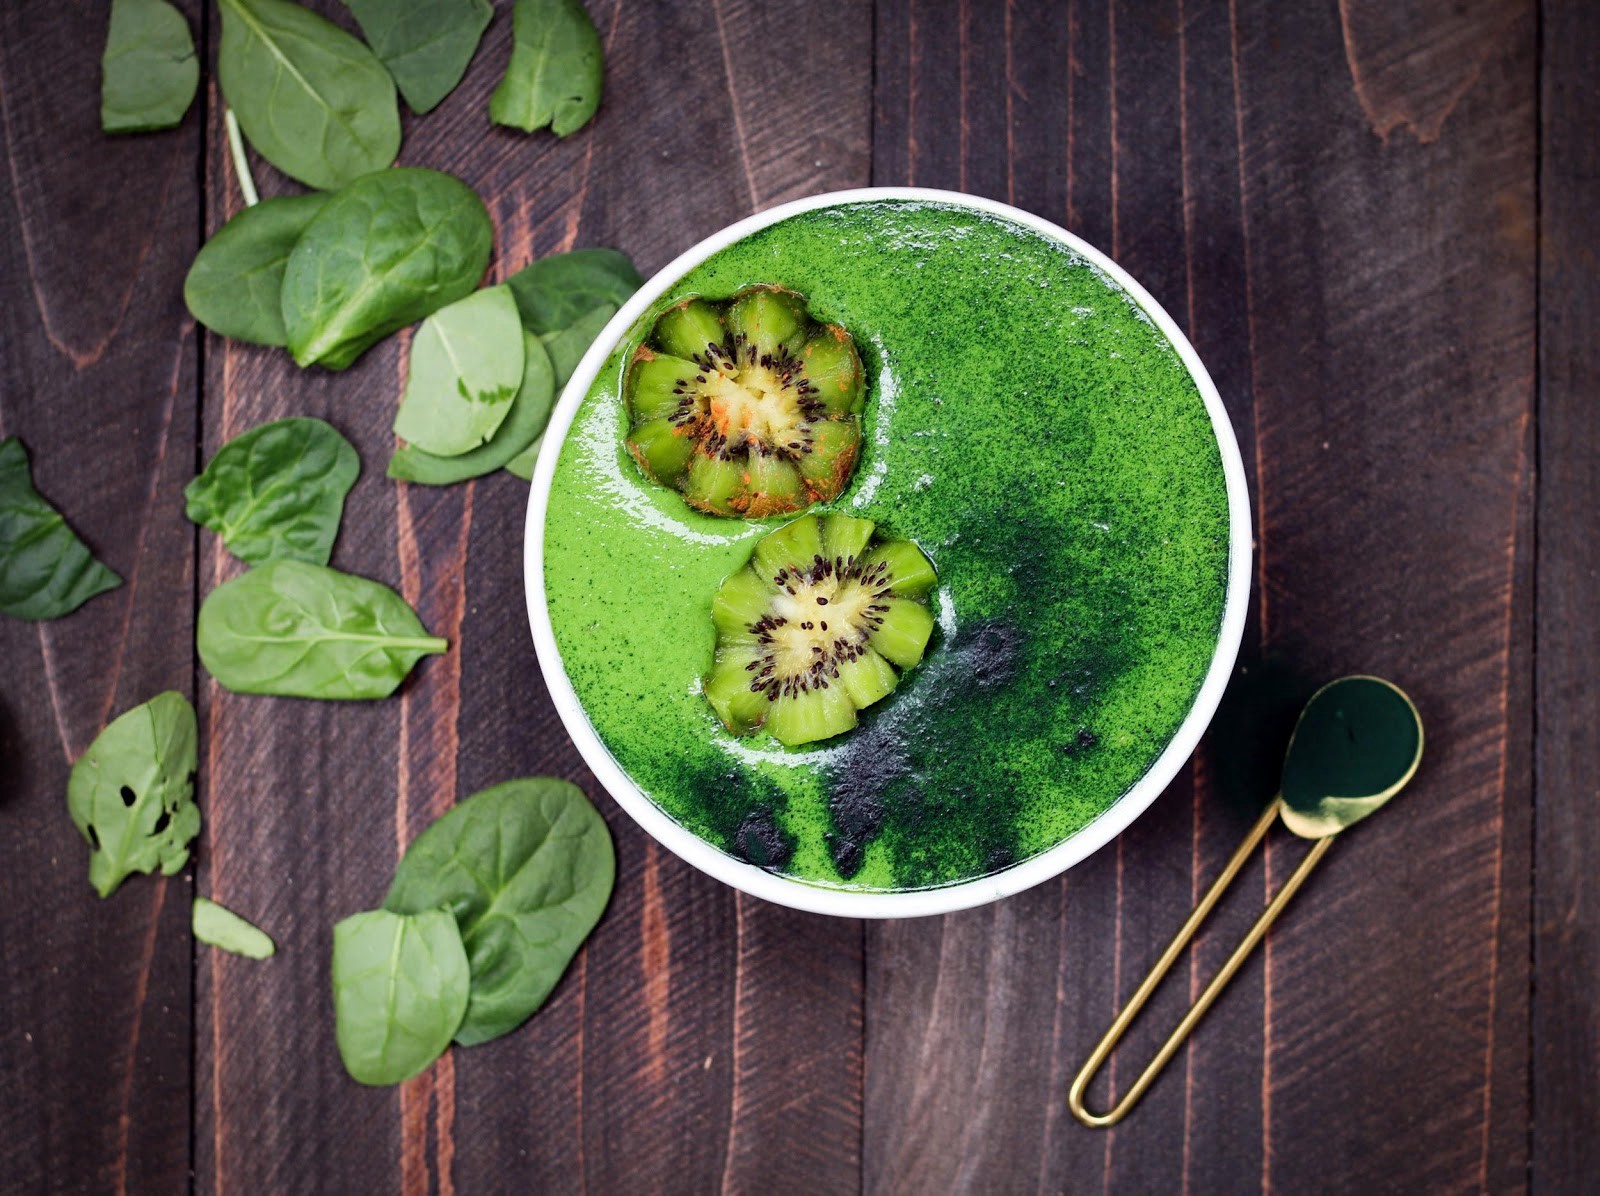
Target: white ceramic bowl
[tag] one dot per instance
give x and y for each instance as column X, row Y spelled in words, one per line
column 846, row 902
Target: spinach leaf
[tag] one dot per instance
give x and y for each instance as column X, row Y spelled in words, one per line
column 399, row 990
column 566, row 347
column 235, row 286
column 313, row 100
column 277, row 492
column 218, row 926
column 523, row 464
column 526, row 868
column 45, row 570
column 556, row 70
column 149, row 72
column 131, row 795
column 388, row 250
column 306, row 631
column 554, row 292
column 466, row 366
column 530, row 412
column 426, row 44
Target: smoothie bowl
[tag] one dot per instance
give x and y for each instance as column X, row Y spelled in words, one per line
column 981, row 449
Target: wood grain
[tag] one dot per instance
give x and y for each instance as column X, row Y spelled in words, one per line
column 97, row 376
column 1566, row 1018
column 1217, row 152
column 1428, row 1034
column 1338, row 202
column 653, row 1057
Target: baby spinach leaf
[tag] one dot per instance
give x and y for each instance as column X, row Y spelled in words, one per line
column 306, row 631
column 426, row 44
column 522, row 465
column 45, row 570
column 554, row 292
column 235, row 286
column 388, row 250
column 466, row 366
column 314, row 101
column 556, row 70
column 149, row 72
column 277, row 492
column 131, row 795
column 399, row 990
column 218, row 926
column 566, row 347
column 526, row 868
column 530, row 412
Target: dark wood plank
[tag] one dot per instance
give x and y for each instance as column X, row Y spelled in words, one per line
column 1011, row 977
column 1322, row 197
column 1381, row 209
column 97, row 375
column 701, row 1040
column 1566, row 1025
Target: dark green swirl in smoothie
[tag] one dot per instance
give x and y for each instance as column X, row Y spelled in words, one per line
column 1037, row 435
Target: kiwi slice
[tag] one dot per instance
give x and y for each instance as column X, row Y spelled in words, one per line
column 816, row 627
column 748, row 407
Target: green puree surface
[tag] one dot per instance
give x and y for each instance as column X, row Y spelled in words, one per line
column 1040, row 438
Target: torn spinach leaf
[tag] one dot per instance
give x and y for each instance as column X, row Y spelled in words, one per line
column 218, row 926
column 556, row 71
column 131, row 795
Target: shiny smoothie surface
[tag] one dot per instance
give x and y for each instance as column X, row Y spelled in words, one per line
column 1034, row 431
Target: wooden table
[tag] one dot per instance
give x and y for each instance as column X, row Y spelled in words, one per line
column 1374, row 219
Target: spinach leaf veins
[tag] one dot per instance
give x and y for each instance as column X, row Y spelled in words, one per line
column 306, row 631
column 312, row 99
column 426, row 44
column 389, row 249
column 277, row 492
column 526, row 868
column 556, row 71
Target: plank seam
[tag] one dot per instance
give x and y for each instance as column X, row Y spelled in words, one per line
column 1535, row 771
column 203, row 110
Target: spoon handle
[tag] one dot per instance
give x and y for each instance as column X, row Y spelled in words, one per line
column 1080, row 1083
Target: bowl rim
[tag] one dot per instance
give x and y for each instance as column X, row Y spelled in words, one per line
column 843, row 902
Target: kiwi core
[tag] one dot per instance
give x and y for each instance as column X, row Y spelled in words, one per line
column 761, row 406
column 821, row 616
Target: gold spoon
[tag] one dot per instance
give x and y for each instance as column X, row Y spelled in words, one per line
column 1357, row 743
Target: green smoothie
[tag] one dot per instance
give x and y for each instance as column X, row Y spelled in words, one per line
column 1038, row 436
